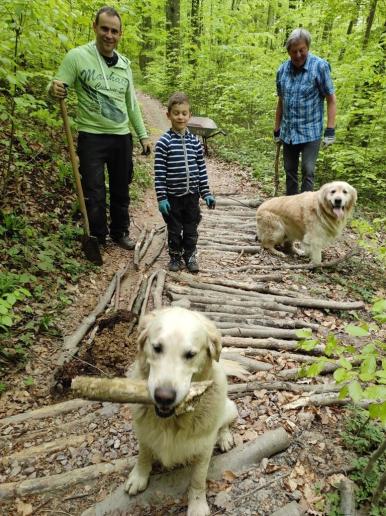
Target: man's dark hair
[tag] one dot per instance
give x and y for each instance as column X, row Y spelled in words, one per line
column 177, row 98
column 110, row 11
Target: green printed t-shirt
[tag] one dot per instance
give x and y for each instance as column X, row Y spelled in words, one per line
column 106, row 96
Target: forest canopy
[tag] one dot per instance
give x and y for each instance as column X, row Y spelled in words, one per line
column 224, row 54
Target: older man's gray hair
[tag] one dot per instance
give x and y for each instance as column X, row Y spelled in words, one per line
column 298, row 35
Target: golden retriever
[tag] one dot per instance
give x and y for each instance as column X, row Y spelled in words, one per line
column 314, row 218
column 177, row 346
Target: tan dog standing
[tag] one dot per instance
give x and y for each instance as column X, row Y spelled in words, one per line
column 314, row 218
column 177, row 347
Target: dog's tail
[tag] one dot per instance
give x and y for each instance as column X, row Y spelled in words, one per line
column 233, row 368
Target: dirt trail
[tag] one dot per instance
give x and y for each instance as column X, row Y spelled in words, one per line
column 80, row 454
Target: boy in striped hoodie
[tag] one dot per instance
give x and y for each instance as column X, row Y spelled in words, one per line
column 180, row 180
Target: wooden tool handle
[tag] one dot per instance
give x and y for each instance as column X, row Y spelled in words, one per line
column 74, row 163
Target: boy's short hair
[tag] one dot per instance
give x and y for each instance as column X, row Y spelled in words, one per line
column 178, row 98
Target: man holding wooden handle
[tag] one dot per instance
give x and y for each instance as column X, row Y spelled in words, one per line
column 103, row 82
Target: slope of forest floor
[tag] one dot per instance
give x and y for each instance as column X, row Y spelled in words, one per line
column 98, row 434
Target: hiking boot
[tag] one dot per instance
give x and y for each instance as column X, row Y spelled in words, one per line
column 125, row 242
column 174, row 264
column 191, row 263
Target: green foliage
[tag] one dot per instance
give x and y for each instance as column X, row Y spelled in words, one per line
column 361, row 372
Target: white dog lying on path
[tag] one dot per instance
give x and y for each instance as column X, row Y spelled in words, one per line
column 314, row 218
column 177, row 347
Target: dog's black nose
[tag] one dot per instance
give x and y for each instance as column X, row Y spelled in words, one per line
column 337, row 202
column 165, row 396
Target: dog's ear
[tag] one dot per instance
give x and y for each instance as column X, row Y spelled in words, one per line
column 143, row 328
column 214, row 339
column 353, row 197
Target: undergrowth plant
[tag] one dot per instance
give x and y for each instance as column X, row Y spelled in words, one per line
column 361, row 370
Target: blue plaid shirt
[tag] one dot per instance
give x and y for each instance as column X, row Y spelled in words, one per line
column 302, row 93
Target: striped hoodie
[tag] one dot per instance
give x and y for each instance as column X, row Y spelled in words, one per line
column 179, row 166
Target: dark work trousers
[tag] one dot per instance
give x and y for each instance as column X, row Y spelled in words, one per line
column 291, row 154
column 182, row 222
column 115, row 151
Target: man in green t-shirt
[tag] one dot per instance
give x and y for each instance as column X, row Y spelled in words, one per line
column 103, row 82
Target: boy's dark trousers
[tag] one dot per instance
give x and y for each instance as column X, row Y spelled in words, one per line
column 182, row 223
column 95, row 151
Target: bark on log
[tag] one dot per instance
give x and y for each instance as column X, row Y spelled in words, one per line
column 157, row 294
column 146, row 244
column 244, row 388
column 268, row 343
column 237, row 310
column 137, row 304
column 174, row 483
column 138, row 246
column 264, row 352
column 235, row 288
column 127, row 390
column 347, row 497
column 291, row 509
column 261, row 332
column 50, row 411
column 55, row 483
column 226, row 320
column 147, row 293
column 321, row 400
column 245, row 249
column 207, row 296
column 250, row 364
column 251, row 203
column 134, row 294
column 250, row 286
column 288, row 374
column 73, row 441
column 72, row 342
column 159, row 245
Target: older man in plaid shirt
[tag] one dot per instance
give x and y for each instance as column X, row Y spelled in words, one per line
column 303, row 82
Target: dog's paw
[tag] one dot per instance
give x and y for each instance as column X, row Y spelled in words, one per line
column 225, row 440
column 198, row 507
column 136, row 482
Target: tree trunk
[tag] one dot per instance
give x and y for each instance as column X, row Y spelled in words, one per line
column 173, row 42
column 369, row 22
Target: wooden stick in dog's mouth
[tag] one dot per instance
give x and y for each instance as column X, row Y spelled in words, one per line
column 126, row 390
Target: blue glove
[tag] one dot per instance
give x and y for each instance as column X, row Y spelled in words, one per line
column 164, row 207
column 276, row 136
column 329, row 137
column 210, row 202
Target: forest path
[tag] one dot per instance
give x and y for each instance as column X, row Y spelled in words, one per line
column 64, row 459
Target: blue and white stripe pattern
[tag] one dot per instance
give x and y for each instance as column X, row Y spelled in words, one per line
column 302, row 93
column 179, row 166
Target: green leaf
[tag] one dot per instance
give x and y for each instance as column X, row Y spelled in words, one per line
column 378, row 411
column 340, row 375
column 379, row 306
column 355, row 391
column 331, row 344
column 368, row 368
column 375, row 392
column 308, row 345
column 345, row 363
column 343, row 393
column 356, row 331
column 304, row 333
column 5, row 320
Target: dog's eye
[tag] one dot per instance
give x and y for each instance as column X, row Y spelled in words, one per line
column 333, row 191
column 189, row 355
column 344, row 191
column 157, row 348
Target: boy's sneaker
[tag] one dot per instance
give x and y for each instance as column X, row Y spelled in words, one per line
column 191, row 263
column 174, row 264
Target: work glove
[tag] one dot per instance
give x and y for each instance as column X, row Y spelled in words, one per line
column 210, row 202
column 329, row 137
column 164, row 207
column 276, row 136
